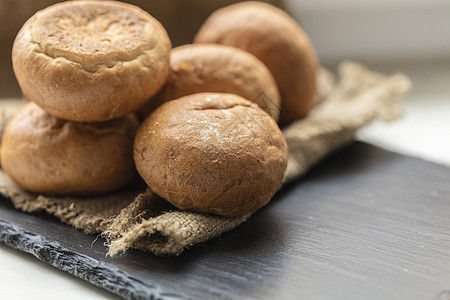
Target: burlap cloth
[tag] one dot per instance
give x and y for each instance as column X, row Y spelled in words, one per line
column 136, row 218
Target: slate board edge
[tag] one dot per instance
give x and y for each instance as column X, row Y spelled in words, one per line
column 97, row 273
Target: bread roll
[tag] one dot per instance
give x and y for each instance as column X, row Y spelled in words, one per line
column 217, row 68
column 278, row 41
column 45, row 154
column 91, row 60
column 211, row 153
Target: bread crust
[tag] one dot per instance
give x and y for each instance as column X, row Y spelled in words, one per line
column 212, row 153
column 197, row 68
column 278, row 41
column 46, row 154
column 91, row 60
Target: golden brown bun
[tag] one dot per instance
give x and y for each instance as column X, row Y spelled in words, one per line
column 277, row 40
column 222, row 69
column 45, row 154
column 211, row 153
column 91, row 60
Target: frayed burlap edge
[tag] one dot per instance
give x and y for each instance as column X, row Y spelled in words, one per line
column 358, row 98
column 90, row 214
column 129, row 219
column 166, row 234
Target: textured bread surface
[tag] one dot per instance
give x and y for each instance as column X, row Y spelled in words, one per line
column 212, row 153
column 45, row 154
column 91, row 60
column 197, row 68
column 278, row 41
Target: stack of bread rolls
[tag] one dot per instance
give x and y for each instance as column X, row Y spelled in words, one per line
column 85, row 67
column 209, row 139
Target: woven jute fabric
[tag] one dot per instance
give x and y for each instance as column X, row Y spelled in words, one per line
column 137, row 218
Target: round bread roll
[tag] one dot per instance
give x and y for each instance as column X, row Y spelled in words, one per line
column 278, row 41
column 45, row 154
column 91, row 60
column 211, row 153
column 217, row 68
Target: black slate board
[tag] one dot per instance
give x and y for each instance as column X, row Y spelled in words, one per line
column 364, row 224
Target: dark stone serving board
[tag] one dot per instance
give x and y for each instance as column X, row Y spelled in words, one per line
column 364, row 224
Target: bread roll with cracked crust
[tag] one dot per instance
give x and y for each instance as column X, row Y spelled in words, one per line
column 278, row 41
column 45, row 154
column 211, row 153
column 91, row 60
column 217, row 68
